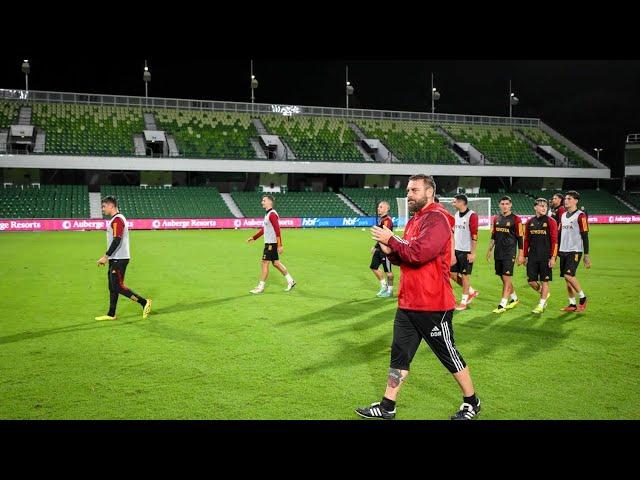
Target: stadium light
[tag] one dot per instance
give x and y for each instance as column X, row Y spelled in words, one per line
column 254, row 84
column 146, row 76
column 26, row 68
column 598, row 150
column 435, row 95
column 513, row 100
column 349, row 88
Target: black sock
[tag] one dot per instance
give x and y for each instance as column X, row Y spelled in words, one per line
column 473, row 400
column 113, row 301
column 388, row 405
column 134, row 297
column 583, row 299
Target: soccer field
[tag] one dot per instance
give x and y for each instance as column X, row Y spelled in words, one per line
column 211, row 350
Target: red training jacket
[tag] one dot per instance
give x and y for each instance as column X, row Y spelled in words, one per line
column 424, row 256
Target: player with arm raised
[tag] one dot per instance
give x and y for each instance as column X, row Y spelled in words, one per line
column 272, row 246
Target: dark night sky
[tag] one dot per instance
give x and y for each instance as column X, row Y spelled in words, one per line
column 593, row 103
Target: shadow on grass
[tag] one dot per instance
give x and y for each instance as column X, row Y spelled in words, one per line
column 352, row 353
column 520, row 334
column 126, row 319
column 188, row 306
column 341, row 311
column 385, row 316
column 78, row 327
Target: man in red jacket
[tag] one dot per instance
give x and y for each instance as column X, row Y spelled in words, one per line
column 425, row 299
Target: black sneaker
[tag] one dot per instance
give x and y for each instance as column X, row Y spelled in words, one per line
column 466, row 412
column 376, row 411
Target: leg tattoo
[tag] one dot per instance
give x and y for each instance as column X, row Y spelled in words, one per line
column 395, row 378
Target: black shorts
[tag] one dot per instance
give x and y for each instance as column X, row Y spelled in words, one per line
column 505, row 266
column 410, row 327
column 116, row 272
column 270, row 252
column 538, row 270
column 569, row 262
column 462, row 265
column 379, row 258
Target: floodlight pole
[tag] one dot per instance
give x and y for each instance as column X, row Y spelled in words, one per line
column 253, row 98
column 433, row 102
column 146, row 77
column 346, row 71
column 510, row 103
column 26, row 68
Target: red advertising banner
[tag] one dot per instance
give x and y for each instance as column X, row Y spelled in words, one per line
column 75, row 224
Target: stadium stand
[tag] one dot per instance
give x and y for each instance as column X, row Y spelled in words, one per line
column 295, row 204
column 46, row 201
column 169, row 202
column 8, row 113
column 633, row 198
column 500, row 145
column 74, row 129
column 598, row 202
column 367, row 199
column 411, row 142
column 80, row 129
column 542, row 138
column 316, row 138
column 205, row 134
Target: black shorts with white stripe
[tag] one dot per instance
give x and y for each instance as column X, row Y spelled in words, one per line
column 410, row 327
column 379, row 258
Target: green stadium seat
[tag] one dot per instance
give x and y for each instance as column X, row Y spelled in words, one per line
column 46, row 201
column 316, row 138
column 170, row 202
column 500, row 145
column 367, row 199
column 411, row 142
column 295, row 204
column 595, row 202
column 542, row 138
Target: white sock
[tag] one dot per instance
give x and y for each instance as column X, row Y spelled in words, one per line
column 260, row 284
column 581, row 293
column 465, row 298
column 514, row 297
column 572, row 301
column 383, row 284
column 503, row 302
column 390, row 288
column 543, row 301
column 471, row 290
column 289, row 278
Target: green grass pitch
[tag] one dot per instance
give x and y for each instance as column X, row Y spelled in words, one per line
column 211, row 350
